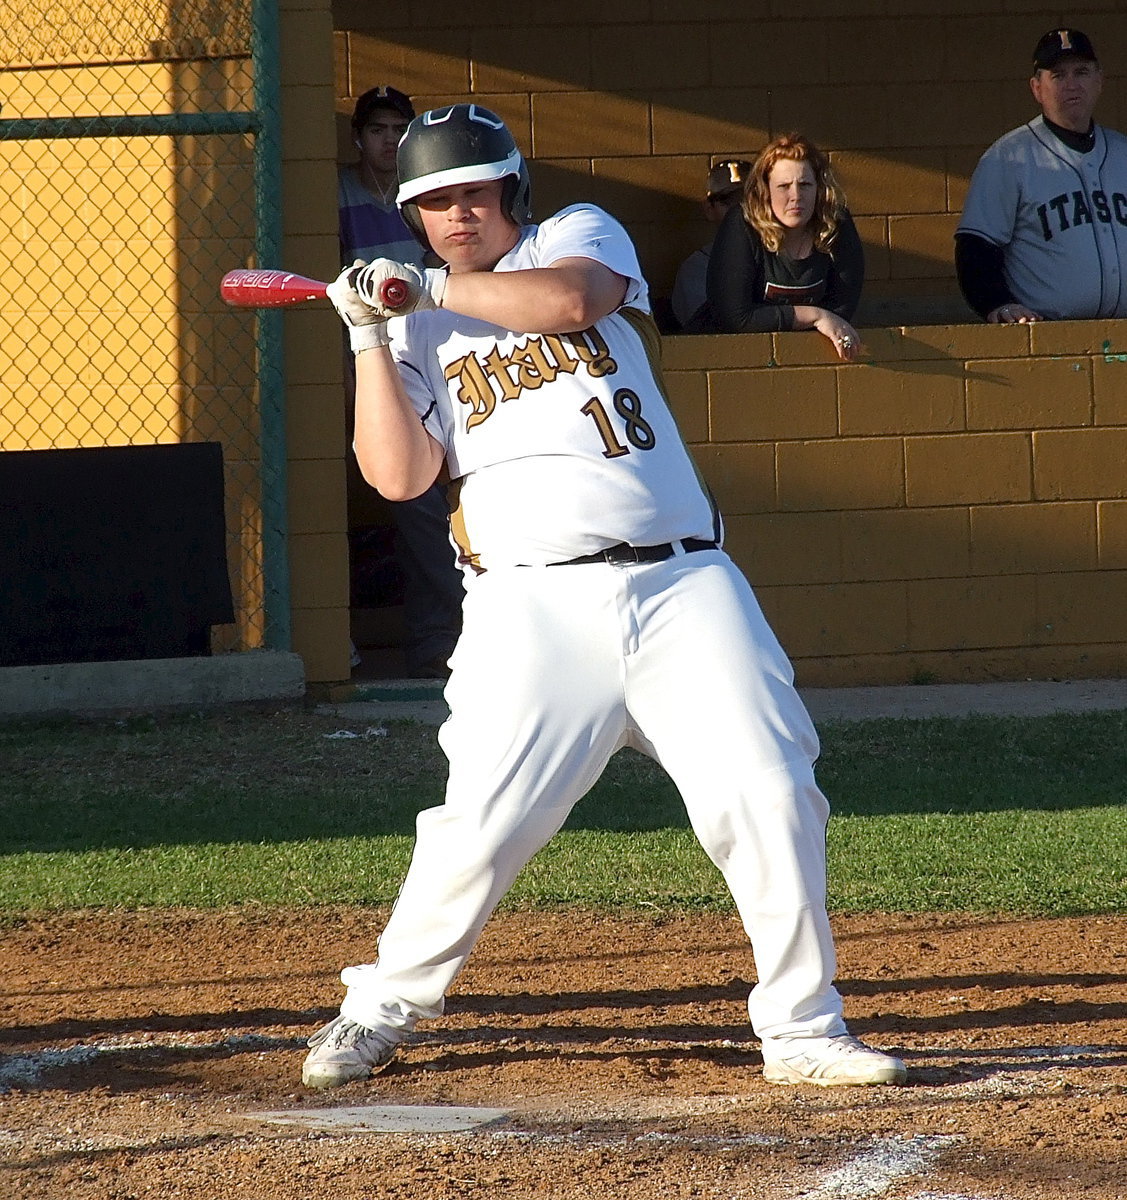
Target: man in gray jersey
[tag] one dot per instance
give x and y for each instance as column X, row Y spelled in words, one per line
column 1043, row 235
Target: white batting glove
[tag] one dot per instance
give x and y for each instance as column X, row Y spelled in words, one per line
column 366, row 327
column 424, row 288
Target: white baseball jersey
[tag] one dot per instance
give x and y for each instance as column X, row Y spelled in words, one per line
column 559, row 445
column 1061, row 216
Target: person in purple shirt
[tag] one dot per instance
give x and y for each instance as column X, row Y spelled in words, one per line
column 371, row 227
column 370, row 224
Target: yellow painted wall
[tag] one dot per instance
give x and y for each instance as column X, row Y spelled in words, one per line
column 314, row 389
column 111, row 251
column 956, row 506
column 953, row 507
column 627, row 104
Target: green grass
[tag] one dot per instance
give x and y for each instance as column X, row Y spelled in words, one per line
column 975, row 814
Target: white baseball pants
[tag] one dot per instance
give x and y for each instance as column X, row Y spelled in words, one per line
column 557, row 668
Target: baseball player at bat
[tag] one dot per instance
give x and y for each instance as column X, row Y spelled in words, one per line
column 601, row 610
column 1043, row 234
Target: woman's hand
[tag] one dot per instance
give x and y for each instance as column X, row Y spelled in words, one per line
column 844, row 338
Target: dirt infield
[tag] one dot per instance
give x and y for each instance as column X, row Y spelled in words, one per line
column 135, row 1050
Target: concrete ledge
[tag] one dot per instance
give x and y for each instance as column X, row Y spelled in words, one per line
column 1031, row 698
column 408, row 699
column 104, row 687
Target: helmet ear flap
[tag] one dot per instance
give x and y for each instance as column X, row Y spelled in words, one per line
column 409, row 211
column 516, row 197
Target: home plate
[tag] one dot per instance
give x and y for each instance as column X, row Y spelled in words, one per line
column 386, row 1118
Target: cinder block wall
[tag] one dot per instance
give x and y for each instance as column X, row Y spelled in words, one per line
column 952, row 508
column 315, row 424
column 628, row 104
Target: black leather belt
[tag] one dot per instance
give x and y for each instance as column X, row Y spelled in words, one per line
column 623, row 553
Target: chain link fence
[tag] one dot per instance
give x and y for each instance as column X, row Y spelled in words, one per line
column 133, row 174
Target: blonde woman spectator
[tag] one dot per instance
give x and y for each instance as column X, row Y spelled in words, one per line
column 789, row 256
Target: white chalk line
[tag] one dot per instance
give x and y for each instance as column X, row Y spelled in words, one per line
column 882, row 1165
column 26, row 1070
column 40, row 1142
column 945, row 1196
column 1062, row 1053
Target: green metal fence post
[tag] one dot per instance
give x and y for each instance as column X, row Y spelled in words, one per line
column 265, row 52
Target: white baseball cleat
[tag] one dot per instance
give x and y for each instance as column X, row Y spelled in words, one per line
column 831, row 1062
column 343, row 1051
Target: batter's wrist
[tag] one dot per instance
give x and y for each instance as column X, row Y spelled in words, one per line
column 368, row 337
column 436, row 284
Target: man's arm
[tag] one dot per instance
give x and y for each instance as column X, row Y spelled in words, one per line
column 569, row 295
column 986, row 227
column 396, row 455
column 979, row 266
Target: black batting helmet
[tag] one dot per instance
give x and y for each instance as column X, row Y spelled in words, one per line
column 463, row 143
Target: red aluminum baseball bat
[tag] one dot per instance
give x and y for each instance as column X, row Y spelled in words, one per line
column 267, row 288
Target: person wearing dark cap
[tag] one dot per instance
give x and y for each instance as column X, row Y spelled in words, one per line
column 1043, row 234
column 371, row 227
column 370, row 224
column 725, row 188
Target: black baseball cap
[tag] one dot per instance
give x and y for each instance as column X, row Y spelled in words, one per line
column 381, row 97
column 726, row 177
column 1062, row 43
